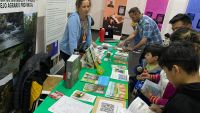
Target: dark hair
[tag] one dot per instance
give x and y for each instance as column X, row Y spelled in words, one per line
column 79, row 2
column 181, row 53
column 181, row 17
column 154, row 49
column 134, row 10
column 186, row 34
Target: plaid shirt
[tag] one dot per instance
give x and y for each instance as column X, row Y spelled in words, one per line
column 148, row 28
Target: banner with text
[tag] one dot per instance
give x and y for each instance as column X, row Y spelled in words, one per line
column 18, row 23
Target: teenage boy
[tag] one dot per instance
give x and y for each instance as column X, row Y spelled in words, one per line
column 181, row 63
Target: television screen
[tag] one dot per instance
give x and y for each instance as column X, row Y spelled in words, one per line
column 149, row 14
column 191, row 15
column 160, row 18
column 121, row 10
column 198, row 24
column 11, row 29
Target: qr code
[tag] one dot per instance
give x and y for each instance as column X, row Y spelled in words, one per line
column 108, row 108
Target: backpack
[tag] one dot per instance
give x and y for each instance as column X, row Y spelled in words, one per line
column 33, row 71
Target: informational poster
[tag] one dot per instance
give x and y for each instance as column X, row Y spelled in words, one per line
column 56, row 18
column 17, row 34
column 114, row 15
column 156, row 10
column 193, row 10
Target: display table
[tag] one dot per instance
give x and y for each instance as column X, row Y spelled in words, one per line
column 43, row 107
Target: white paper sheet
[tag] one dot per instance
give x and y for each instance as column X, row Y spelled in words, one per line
column 69, row 105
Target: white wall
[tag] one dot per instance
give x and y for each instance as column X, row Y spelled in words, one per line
column 96, row 12
column 174, row 7
column 98, row 8
column 41, row 7
column 141, row 4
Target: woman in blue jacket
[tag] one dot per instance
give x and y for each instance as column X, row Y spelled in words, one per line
column 77, row 33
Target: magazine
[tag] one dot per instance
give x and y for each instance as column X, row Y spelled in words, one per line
column 94, row 88
column 119, row 73
column 152, row 87
column 119, row 76
column 117, row 91
column 138, row 106
column 93, row 78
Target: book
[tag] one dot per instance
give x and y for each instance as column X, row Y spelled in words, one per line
column 119, row 76
column 119, row 73
column 138, row 106
column 73, row 69
column 93, row 78
column 79, row 95
column 50, row 82
column 105, row 105
column 90, row 59
column 117, row 91
column 94, row 88
column 69, row 105
column 152, row 87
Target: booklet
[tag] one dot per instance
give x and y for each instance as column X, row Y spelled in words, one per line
column 152, row 87
column 95, row 79
column 105, row 105
column 138, row 106
column 119, row 76
column 117, row 91
column 79, row 95
column 94, row 88
column 119, row 73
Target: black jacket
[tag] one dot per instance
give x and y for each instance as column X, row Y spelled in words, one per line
column 185, row 100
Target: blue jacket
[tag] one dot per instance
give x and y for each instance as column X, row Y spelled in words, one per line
column 72, row 34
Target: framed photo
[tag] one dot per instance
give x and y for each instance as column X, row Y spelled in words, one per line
column 160, row 18
column 191, row 15
column 198, row 24
column 121, row 10
column 149, row 13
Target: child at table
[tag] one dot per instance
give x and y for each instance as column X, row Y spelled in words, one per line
column 152, row 53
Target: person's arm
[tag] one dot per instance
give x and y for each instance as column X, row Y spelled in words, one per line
column 142, row 42
column 130, row 37
column 147, row 31
column 158, row 100
column 73, row 28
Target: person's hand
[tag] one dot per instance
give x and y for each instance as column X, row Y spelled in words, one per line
column 156, row 108
column 145, row 75
column 129, row 48
column 147, row 93
column 94, row 44
column 122, row 43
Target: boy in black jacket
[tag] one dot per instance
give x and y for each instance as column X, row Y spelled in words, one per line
column 181, row 63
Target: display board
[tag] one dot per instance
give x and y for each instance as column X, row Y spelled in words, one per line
column 193, row 10
column 17, row 34
column 156, row 10
column 114, row 15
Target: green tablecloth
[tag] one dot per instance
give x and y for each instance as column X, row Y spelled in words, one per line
column 43, row 107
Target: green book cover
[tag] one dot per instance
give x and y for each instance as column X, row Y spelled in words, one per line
column 73, row 69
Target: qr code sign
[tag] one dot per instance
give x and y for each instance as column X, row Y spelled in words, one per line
column 108, row 108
